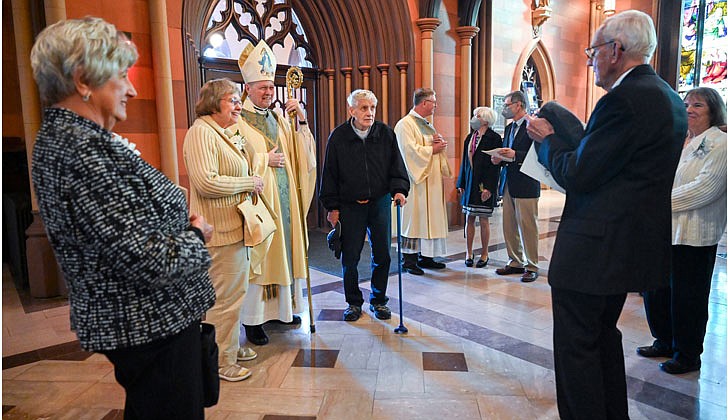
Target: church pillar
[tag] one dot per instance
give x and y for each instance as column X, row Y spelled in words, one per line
column 384, row 69
column 466, row 34
column 332, row 104
column 402, row 67
column 347, row 79
column 163, row 89
column 365, row 74
column 427, row 27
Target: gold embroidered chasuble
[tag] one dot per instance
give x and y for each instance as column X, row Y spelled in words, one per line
column 424, row 216
column 283, row 256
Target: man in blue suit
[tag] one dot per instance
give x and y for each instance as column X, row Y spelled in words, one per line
column 520, row 194
column 614, row 235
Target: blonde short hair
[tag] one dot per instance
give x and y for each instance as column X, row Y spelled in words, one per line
column 211, row 93
column 359, row 94
column 486, row 114
column 91, row 46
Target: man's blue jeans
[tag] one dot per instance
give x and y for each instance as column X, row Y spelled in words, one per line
column 373, row 218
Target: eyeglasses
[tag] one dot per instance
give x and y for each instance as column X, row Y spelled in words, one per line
column 512, row 103
column 591, row 51
column 431, row 100
column 235, row 101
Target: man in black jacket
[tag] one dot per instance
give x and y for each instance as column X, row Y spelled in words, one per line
column 614, row 235
column 362, row 170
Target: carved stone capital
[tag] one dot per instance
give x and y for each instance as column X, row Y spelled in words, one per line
column 383, row 68
column 402, row 66
column 466, row 33
column 427, row 26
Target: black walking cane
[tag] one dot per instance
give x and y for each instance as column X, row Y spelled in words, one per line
column 401, row 329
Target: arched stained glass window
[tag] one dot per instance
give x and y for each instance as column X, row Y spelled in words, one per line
column 236, row 23
column 704, row 46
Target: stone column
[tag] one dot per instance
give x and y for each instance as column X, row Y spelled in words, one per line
column 384, row 69
column 466, row 34
column 55, row 11
column 332, row 104
column 402, row 67
column 44, row 277
column 163, row 88
column 427, row 27
column 347, row 79
column 365, row 74
column 593, row 93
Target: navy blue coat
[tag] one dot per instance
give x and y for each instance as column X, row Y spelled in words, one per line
column 519, row 184
column 482, row 171
column 614, row 235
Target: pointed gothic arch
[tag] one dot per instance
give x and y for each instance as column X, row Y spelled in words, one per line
column 536, row 52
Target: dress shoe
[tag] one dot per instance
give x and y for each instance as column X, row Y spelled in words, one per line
column 482, row 263
column 295, row 321
column 509, row 270
column 675, row 367
column 413, row 269
column 469, row 262
column 256, row 335
column 653, row 351
column 529, row 276
column 428, row 262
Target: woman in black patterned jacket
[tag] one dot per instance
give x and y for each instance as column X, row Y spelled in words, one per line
column 134, row 260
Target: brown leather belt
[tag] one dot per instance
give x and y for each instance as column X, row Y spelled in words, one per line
column 362, row 201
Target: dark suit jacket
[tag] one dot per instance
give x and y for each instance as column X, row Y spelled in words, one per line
column 519, row 185
column 614, row 235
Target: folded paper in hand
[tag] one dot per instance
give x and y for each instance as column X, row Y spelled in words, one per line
column 498, row 153
column 533, row 168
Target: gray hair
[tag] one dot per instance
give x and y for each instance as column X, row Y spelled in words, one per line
column 211, row 93
column 359, row 94
column 486, row 114
column 90, row 47
column 421, row 94
column 633, row 29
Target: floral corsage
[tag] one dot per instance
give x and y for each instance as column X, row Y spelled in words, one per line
column 701, row 150
column 238, row 140
column 131, row 146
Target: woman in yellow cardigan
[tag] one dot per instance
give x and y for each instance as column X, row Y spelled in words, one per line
column 218, row 169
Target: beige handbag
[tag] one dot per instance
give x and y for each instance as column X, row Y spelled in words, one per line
column 258, row 219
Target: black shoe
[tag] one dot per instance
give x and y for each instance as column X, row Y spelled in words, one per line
column 428, row 262
column 529, row 276
column 352, row 313
column 256, row 335
column 380, row 311
column 413, row 269
column 482, row 263
column 675, row 367
column 509, row 270
column 469, row 262
column 653, row 351
column 295, row 321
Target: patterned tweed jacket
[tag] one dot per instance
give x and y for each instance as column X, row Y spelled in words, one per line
column 120, row 231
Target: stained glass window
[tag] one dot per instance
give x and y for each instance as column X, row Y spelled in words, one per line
column 236, row 23
column 704, row 46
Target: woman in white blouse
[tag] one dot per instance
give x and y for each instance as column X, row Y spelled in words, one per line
column 678, row 315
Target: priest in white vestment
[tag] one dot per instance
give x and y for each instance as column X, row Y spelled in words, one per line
column 424, row 219
column 277, row 266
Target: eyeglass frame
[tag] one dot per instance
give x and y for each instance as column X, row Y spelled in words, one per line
column 234, row 102
column 590, row 52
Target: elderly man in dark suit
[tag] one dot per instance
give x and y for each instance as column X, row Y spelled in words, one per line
column 520, row 194
column 614, row 235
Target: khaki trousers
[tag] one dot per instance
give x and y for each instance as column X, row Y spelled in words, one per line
column 229, row 274
column 520, row 230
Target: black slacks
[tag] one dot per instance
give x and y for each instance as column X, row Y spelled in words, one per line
column 375, row 219
column 678, row 315
column 162, row 379
column 588, row 355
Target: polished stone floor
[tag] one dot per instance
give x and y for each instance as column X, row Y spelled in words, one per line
column 478, row 347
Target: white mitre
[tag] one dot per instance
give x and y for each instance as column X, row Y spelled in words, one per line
column 257, row 63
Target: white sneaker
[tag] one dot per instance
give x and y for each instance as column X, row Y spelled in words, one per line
column 246, row 353
column 234, row 373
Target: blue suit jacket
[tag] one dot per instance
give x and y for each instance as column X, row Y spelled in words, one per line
column 519, row 185
column 614, row 235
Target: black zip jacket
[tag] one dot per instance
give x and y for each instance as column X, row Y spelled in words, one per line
column 356, row 169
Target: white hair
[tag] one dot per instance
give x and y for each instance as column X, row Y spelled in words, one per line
column 486, row 114
column 90, row 46
column 359, row 94
column 634, row 30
